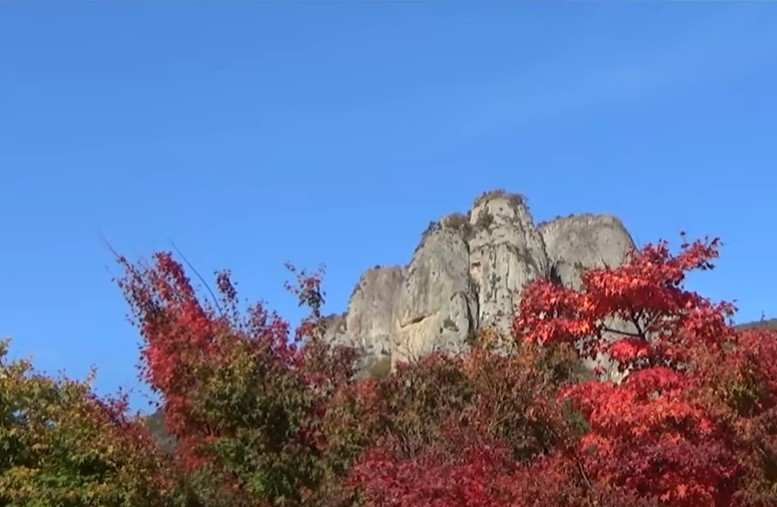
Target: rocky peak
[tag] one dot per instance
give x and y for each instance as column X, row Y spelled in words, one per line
column 468, row 273
column 584, row 241
column 506, row 253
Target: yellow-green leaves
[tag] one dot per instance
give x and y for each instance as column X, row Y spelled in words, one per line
column 62, row 446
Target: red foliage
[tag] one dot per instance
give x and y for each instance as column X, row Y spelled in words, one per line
column 241, row 396
column 660, row 432
column 279, row 419
column 690, row 424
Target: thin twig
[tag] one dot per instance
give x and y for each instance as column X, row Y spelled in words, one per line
column 212, row 294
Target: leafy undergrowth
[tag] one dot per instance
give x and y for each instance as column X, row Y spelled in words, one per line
column 261, row 416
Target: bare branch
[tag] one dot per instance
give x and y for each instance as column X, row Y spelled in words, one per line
column 212, row 295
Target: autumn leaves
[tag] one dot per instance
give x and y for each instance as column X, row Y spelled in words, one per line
column 264, row 416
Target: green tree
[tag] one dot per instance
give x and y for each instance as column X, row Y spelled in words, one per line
column 62, row 446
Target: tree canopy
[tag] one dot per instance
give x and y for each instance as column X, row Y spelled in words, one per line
column 263, row 415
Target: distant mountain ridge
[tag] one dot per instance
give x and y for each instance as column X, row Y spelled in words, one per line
column 763, row 323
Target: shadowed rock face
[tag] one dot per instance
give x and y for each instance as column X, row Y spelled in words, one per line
column 468, row 273
column 155, row 425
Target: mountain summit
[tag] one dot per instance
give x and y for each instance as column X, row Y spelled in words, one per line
column 467, row 274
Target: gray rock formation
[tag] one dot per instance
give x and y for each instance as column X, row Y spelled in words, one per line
column 584, row 241
column 376, row 296
column 468, row 273
column 369, row 324
column 437, row 304
column 506, row 253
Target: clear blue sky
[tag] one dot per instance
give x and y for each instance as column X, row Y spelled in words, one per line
column 252, row 133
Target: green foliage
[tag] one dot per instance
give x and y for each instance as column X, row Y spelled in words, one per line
column 61, row 446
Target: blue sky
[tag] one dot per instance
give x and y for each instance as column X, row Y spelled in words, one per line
column 254, row 133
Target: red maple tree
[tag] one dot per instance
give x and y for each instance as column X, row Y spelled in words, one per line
column 266, row 416
column 690, row 423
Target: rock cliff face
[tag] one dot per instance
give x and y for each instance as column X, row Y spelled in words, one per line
column 468, row 273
